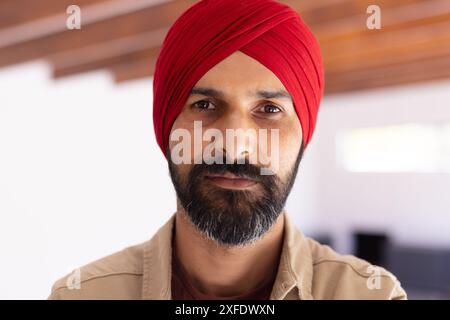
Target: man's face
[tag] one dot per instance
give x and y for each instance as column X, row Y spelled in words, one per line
column 232, row 202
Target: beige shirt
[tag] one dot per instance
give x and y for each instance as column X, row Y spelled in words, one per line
column 307, row 270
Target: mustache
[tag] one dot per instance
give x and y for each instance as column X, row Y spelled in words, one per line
column 243, row 170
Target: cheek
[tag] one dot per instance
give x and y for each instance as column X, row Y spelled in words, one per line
column 181, row 140
column 181, row 172
column 190, row 140
column 290, row 143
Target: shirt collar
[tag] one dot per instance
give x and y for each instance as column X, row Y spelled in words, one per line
column 158, row 264
column 293, row 279
column 294, row 276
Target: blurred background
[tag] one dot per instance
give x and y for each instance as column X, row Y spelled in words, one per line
column 81, row 175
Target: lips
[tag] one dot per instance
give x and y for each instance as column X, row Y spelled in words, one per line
column 230, row 181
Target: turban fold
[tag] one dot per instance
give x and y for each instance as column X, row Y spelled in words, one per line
column 210, row 30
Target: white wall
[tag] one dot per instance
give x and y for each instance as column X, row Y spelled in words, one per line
column 81, row 175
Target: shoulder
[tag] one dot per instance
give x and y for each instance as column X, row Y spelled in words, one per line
column 337, row 276
column 116, row 276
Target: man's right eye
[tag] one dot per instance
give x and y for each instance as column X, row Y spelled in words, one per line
column 204, row 105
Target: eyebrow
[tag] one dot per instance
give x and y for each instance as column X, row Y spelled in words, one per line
column 267, row 94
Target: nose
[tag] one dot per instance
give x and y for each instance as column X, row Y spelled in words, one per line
column 240, row 135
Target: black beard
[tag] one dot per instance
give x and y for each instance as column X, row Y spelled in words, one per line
column 232, row 217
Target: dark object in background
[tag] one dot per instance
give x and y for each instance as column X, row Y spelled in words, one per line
column 323, row 239
column 423, row 272
column 371, row 247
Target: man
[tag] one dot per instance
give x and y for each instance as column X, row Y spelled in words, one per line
column 253, row 69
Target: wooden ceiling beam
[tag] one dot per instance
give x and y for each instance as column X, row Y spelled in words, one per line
column 105, row 63
column 110, row 26
column 107, row 54
column 432, row 69
column 317, row 13
column 16, row 12
column 415, row 56
column 133, row 70
column 413, row 15
column 383, row 46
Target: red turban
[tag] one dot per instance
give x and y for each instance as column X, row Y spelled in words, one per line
column 210, row 30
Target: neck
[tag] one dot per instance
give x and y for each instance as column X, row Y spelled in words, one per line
column 226, row 270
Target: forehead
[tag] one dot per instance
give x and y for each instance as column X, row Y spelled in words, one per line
column 239, row 73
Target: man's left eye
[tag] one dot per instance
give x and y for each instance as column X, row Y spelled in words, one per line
column 270, row 108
